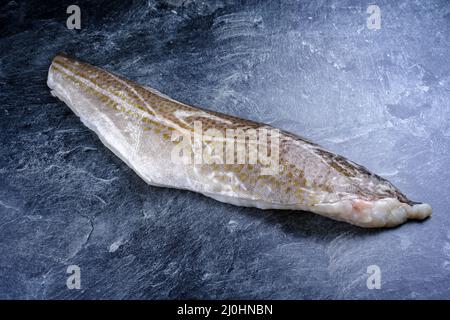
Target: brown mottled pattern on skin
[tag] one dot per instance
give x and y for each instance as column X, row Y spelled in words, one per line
column 307, row 174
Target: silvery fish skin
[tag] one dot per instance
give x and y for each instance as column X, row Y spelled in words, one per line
column 145, row 128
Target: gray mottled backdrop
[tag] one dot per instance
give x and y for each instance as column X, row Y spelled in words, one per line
column 379, row 97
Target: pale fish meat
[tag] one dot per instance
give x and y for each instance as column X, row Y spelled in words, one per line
column 237, row 161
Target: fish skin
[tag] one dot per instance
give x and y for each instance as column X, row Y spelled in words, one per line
column 138, row 124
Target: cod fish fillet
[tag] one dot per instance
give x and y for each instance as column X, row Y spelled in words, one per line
column 237, row 161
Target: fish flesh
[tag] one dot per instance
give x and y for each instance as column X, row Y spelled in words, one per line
column 233, row 160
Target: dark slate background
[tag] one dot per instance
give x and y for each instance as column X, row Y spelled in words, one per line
column 379, row 97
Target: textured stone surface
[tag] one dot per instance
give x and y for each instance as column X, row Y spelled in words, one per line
column 381, row 98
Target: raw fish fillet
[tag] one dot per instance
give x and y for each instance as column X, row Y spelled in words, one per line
column 171, row 144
